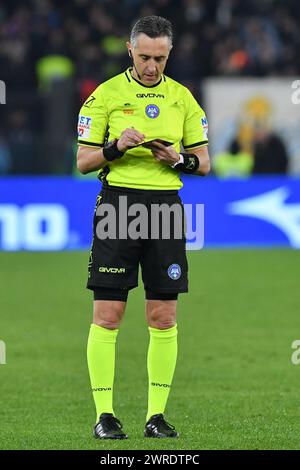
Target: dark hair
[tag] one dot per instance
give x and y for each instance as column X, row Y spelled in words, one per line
column 153, row 26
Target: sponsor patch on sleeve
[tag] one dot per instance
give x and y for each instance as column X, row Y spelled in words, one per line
column 204, row 124
column 84, row 126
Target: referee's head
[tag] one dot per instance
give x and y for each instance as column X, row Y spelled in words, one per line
column 150, row 44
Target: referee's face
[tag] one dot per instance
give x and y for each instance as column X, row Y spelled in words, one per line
column 149, row 58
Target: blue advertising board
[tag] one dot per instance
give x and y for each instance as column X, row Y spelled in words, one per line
column 56, row 213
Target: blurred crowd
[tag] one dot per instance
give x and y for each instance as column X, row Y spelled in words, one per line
column 82, row 42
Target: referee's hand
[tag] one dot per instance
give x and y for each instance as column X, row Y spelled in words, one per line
column 129, row 138
column 164, row 154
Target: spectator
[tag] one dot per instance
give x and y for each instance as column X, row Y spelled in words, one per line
column 270, row 155
column 235, row 163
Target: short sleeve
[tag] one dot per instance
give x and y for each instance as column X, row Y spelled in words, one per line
column 195, row 129
column 93, row 121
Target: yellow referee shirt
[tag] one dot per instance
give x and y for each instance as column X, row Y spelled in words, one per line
column 165, row 111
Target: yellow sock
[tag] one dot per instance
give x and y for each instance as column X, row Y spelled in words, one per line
column 161, row 362
column 101, row 363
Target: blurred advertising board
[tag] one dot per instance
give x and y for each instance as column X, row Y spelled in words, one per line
column 49, row 214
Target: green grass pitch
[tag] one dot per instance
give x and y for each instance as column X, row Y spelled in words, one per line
column 235, row 386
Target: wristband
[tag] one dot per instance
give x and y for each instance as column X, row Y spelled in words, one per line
column 187, row 163
column 111, row 151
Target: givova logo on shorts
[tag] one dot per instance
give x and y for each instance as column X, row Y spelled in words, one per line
column 104, row 269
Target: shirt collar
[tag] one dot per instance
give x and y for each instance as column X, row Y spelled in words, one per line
column 130, row 78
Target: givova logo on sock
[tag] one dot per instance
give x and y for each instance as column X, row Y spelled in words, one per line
column 156, row 384
column 101, row 389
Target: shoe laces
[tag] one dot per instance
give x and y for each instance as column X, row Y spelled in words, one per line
column 111, row 421
column 160, row 420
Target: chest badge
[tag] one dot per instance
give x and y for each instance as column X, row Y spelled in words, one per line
column 152, row 111
column 127, row 109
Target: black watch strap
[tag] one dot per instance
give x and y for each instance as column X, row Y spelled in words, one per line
column 111, row 151
column 189, row 165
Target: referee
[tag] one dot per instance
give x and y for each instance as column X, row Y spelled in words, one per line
column 116, row 124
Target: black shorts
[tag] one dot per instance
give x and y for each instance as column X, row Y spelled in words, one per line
column 114, row 261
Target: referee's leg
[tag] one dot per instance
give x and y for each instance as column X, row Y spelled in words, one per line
column 161, row 360
column 108, row 310
column 164, row 272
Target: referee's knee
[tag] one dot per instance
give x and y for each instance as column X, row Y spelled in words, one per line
column 162, row 325
column 161, row 315
column 108, row 314
column 109, row 325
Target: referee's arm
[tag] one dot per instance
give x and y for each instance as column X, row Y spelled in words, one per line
column 204, row 161
column 90, row 159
